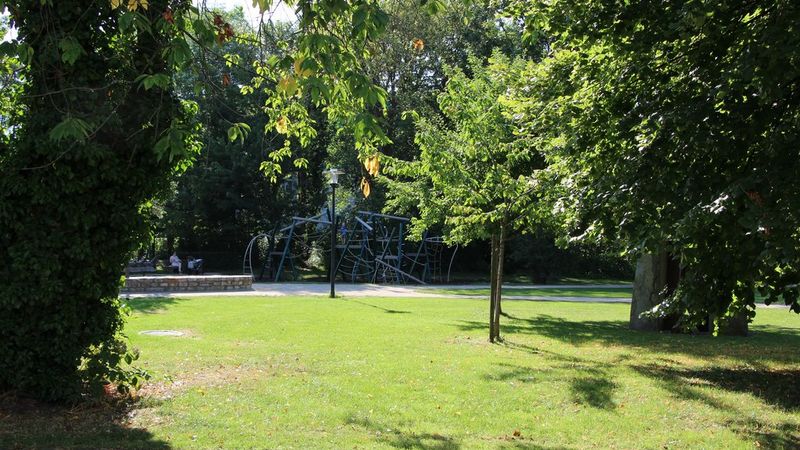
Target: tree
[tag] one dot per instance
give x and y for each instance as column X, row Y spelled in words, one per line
column 672, row 127
column 104, row 133
column 79, row 167
column 473, row 174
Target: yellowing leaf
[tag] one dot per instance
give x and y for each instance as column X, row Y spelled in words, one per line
column 116, row 4
column 373, row 165
column 133, row 5
column 282, row 125
column 287, row 86
column 298, row 68
column 418, row 44
column 365, row 188
column 376, row 166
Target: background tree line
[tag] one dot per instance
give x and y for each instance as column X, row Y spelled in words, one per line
column 223, row 200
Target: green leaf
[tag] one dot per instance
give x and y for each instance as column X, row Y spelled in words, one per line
column 149, row 81
column 70, row 128
column 71, row 50
column 238, row 130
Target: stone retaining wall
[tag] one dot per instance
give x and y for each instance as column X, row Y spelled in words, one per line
column 188, row 283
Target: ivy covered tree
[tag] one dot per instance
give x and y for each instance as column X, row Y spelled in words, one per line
column 78, row 169
column 473, row 175
column 104, row 132
column 672, row 127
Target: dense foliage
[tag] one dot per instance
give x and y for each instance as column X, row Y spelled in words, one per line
column 672, row 126
column 79, row 167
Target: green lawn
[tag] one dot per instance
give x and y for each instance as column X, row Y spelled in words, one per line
column 418, row 373
column 543, row 292
column 521, row 278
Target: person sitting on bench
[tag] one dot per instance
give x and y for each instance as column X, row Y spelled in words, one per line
column 175, row 262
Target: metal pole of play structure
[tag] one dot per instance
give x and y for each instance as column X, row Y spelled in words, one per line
column 334, row 173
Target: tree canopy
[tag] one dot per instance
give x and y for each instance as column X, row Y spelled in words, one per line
column 673, row 126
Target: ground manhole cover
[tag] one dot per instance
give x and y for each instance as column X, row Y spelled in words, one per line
column 162, row 333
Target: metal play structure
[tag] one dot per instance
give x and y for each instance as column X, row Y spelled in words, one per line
column 371, row 247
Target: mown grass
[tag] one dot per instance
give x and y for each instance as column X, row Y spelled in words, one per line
column 593, row 292
column 418, row 373
column 521, row 278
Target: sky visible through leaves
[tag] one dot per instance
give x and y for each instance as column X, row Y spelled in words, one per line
column 280, row 12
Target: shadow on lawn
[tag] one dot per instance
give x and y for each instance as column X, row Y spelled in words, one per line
column 393, row 437
column 766, row 343
column 594, row 391
column 26, row 423
column 386, row 310
column 151, row 305
column 782, row 435
column 592, row 385
column 389, row 435
column 775, row 387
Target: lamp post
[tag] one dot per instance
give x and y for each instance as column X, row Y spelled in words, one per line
column 334, row 181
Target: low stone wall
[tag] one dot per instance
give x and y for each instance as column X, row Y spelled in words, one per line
column 188, row 283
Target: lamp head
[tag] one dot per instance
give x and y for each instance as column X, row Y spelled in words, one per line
column 334, row 175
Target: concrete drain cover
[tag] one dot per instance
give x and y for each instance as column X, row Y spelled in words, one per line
column 162, row 333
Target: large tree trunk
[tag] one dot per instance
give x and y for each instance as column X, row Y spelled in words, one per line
column 654, row 274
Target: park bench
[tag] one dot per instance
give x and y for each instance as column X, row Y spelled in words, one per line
column 141, row 265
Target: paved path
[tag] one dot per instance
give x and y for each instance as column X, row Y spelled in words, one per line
column 407, row 291
column 381, row 290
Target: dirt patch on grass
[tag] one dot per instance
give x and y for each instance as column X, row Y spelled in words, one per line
column 468, row 340
column 27, row 423
column 218, row 377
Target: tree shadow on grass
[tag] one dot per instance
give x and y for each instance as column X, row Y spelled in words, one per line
column 782, row 435
column 386, row 310
column 393, row 437
column 151, row 305
column 26, row 423
column 511, row 372
column 594, row 391
column 558, row 328
column 766, row 343
column 591, row 387
column 775, row 387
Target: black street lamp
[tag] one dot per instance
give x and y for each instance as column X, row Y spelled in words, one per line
column 334, row 181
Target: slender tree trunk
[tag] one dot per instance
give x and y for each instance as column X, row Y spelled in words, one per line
column 499, row 281
column 493, row 287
